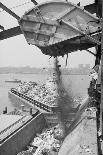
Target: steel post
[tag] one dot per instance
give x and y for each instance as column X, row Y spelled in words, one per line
column 101, row 105
column 9, row 11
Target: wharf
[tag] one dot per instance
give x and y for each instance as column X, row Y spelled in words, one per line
column 18, row 131
column 10, row 123
column 82, row 140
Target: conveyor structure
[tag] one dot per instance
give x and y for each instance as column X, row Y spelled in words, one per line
column 60, row 27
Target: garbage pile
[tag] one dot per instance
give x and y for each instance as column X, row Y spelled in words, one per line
column 91, row 113
column 25, row 86
column 44, row 93
column 46, row 143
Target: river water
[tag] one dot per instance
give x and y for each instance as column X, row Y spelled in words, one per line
column 76, row 86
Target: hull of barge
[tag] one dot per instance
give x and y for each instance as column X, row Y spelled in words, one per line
column 21, row 138
column 49, row 113
column 19, row 99
column 51, row 119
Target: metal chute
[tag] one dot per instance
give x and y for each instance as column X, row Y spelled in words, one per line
column 60, row 27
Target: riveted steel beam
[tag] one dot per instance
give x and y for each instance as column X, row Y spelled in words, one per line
column 91, row 52
column 92, row 8
column 35, row 2
column 10, row 33
column 9, row 11
column 1, row 27
column 81, row 32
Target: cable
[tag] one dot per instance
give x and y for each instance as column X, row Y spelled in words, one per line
column 17, row 6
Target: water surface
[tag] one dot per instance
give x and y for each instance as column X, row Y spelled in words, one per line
column 76, row 85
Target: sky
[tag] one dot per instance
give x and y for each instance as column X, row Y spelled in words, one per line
column 16, row 52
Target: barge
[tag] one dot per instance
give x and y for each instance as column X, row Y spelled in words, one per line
column 17, row 131
column 27, row 101
column 42, row 97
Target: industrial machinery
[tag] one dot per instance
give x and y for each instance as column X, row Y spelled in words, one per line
column 60, row 27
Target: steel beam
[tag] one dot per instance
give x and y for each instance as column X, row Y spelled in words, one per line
column 91, row 52
column 9, row 11
column 35, row 2
column 92, row 8
column 10, row 33
column 1, row 27
column 16, row 30
column 101, row 105
column 81, row 32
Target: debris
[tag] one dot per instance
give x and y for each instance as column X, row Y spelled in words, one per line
column 44, row 93
column 44, row 143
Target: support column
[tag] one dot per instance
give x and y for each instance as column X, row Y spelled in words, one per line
column 101, row 105
column 9, row 11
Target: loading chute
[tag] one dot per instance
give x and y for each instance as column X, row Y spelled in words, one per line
column 59, row 28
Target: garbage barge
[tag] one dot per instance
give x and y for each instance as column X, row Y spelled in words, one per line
column 50, row 138
column 40, row 96
column 43, row 97
column 35, row 135
column 17, row 129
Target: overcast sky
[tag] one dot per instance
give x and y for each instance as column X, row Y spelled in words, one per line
column 16, row 52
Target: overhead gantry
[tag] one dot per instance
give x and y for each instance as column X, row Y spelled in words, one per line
column 60, row 27
column 14, row 31
column 4, row 34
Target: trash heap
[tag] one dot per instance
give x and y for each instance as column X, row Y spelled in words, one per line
column 46, row 143
column 45, row 93
column 25, row 86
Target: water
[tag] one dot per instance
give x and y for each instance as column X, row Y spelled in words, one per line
column 76, row 85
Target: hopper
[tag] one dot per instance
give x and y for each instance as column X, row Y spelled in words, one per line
column 60, row 27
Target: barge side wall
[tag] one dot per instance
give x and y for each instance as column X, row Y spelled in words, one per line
column 19, row 101
column 19, row 140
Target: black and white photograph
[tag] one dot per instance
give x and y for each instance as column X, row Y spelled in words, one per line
column 51, row 77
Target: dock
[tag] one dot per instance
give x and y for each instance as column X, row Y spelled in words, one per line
column 82, row 140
